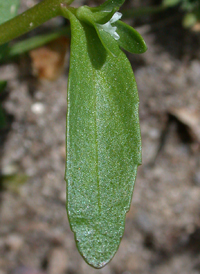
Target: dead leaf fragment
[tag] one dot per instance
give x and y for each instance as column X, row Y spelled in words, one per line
column 58, row 261
column 196, row 27
column 48, row 61
column 189, row 117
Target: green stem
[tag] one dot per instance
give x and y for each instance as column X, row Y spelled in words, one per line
column 135, row 12
column 31, row 19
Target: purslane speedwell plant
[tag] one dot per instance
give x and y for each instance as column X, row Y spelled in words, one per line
column 103, row 147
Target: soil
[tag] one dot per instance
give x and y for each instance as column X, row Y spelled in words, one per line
column 162, row 233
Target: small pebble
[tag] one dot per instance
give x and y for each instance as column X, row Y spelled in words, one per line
column 58, row 261
column 38, row 108
column 9, row 169
column 14, row 242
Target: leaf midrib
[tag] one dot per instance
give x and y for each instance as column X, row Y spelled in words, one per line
column 97, row 143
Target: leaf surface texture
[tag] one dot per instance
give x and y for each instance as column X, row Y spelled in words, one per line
column 103, row 144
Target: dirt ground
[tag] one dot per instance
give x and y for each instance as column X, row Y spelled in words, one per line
column 162, row 233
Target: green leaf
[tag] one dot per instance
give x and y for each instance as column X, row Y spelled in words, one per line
column 91, row 15
column 108, row 41
column 100, row 14
column 13, row 182
column 171, row 3
column 109, row 5
column 8, row 9
column 129, row 39
column 190, row 5
column 103, row 144
column 189, row 20
column 105, row 31
column 35, row 42
column 2, row 85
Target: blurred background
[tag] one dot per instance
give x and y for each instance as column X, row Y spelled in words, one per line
column 162, row 233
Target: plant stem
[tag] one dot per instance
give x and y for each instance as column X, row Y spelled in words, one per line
column 31, row 19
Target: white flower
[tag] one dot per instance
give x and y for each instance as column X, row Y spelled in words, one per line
column 109, row 28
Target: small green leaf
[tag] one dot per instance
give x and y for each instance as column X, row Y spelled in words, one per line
column 171, row 3
column 129, row 39
column 13, row 182
column 35, row 42
column 8, row 9
column 109, row 5
column 2, row 85
column 89, row 15
column 113, row 32
column 100, row 14
column 189, row 20
column 108, row 41
column 106, row 31
column 103, row 144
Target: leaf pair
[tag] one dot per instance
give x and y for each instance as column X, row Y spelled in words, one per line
column 112, row 33
column 103, row 133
